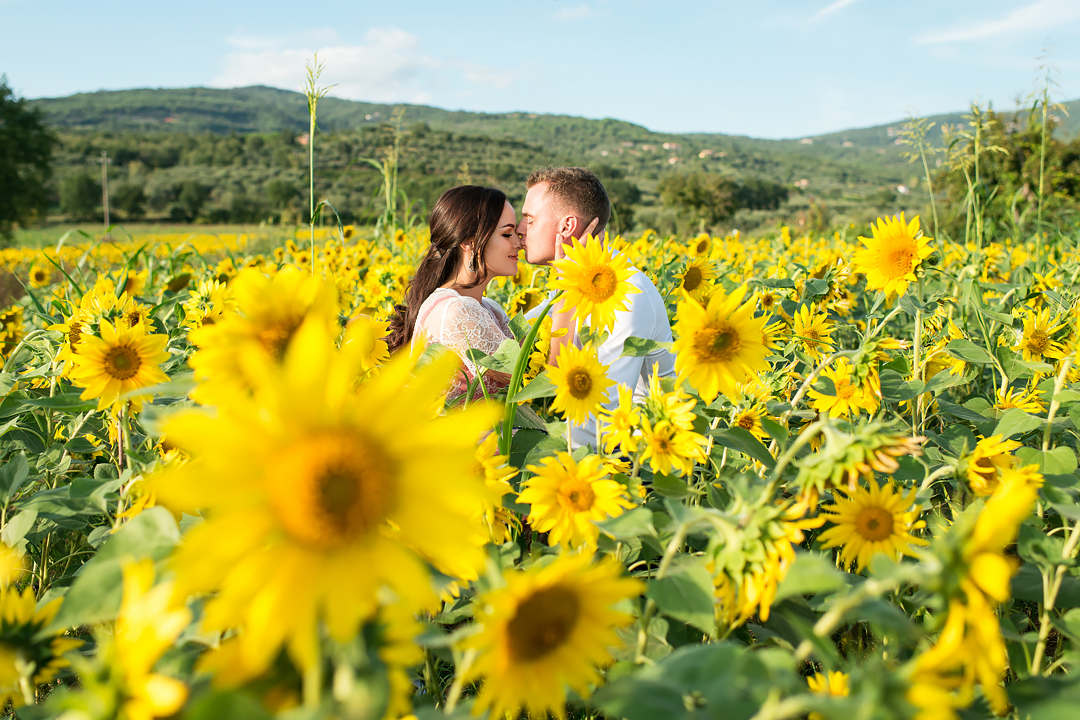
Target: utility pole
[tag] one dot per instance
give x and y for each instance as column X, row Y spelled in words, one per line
column 105, row 189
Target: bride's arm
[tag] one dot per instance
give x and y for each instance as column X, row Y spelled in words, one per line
column 467, row 325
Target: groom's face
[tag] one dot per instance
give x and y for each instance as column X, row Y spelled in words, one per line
column 539, row 224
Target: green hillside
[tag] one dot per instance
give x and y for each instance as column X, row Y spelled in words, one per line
column 220, row 155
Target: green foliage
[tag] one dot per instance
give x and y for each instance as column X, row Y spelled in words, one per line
column 80, row 196
column 26, row 148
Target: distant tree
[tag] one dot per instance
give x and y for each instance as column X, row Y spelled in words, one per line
column 129, row 199
column 703, row 198
column 80, row 196
column 193, row 196
column 26, row 148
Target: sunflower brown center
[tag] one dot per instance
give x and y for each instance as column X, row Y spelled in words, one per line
column 579, row 495
column 900, row 260
column 122, row 362
column 40, row 276
column 874, row 523
column 274, row 336
column 332, row 489
column 701, row 247
column 600, row 283
column 746, row 422
column 543, row 623
column 580, row 382
column 692, row 279
column 717, row 344
column 1037, row 342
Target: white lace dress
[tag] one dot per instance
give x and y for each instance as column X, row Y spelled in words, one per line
column 462, row 323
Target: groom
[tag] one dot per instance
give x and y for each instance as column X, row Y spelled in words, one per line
column 570, row 202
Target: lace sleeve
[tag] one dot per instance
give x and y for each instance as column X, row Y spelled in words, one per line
column 466, row 325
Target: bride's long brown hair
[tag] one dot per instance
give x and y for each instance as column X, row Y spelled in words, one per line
column 460, row 215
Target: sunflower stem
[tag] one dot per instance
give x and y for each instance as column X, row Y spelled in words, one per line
column 460, row 673
column 1059, row 383
column 1050, row 593
column 312, row 684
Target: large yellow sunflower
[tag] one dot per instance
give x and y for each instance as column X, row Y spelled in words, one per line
column 893, row 253
column 596, row 281
column 720, row 345
column 266, row 312
column 121, row 360
column 550, row 627
column 581, row 382
column 868, row 522
column 336, row 494
column 567, row 497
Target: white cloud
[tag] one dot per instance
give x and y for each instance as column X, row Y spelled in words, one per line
column 574, row 12
column 387, row 65
column 833, row 7
column 1040, row 15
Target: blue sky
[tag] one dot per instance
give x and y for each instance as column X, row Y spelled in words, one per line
column 767, row 68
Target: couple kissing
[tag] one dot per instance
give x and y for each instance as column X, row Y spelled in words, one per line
column 476, row 236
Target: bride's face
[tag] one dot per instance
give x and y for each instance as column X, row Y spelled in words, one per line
column 501, row 253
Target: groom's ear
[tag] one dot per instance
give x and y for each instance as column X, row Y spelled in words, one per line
column 568, row 227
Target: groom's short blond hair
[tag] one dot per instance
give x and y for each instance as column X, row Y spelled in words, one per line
column 578, row 190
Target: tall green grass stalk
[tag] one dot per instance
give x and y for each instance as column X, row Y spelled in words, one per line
column 314, row 92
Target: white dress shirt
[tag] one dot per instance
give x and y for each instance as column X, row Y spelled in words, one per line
column 645, row 318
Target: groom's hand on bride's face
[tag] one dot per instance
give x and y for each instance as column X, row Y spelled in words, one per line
column 571, row 237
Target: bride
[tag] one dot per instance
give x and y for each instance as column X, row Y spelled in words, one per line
column 473, row 239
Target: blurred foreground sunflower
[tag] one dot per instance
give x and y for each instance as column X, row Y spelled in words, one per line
column 334, row 477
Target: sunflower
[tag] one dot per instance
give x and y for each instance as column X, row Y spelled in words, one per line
column 834, row 684
column 267, row 312
column 596, row 281
column 696, row 279
column 369, row 335
column 749, row 419
column 1023, row 398
column 525, row 300
column 39, row 276
column 813, row 330
column 567, row 497
column 581, row 382
column 336, row 476
column 621, row 423
column 25, row 647
column 983, row 466
column 550, row 627
column 145, row 628
column 12, row 565
column 892, row 255
column 123, row 359
column 1037, row 343
column 848, row 396
column 868, row 522
column 669, row 448
column 719, row 345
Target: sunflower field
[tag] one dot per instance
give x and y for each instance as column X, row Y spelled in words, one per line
column 221, row 497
